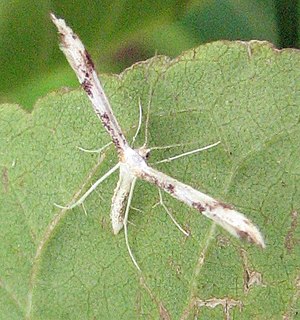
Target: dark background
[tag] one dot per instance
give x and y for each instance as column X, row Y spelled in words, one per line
column 120, row 32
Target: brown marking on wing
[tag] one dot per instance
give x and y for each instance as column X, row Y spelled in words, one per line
column 221, row 204
column 89, row 60
column 198, row 206
column 171, row 188
column 86, row 85
column 225, row 205
column 245, row 236
column 148, row 177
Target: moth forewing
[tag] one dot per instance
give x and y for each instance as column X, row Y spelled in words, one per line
column 83, row 66
column 224, row 215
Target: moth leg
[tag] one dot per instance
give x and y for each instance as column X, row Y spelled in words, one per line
column 161, row 202
column 188, row 153
column 139, row 124
column 125, row 222
column 90, row 190
column 94, row 150
column 146, row 133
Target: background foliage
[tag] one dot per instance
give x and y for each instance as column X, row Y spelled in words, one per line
column 121, row 32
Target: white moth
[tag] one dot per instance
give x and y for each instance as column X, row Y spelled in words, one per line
column 132, row 162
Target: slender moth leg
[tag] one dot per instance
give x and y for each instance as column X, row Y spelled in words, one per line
column 91, row 189
column 125, row 223
column 95, row 150
column 161, row 202
column 139, row 124
column 188, row 153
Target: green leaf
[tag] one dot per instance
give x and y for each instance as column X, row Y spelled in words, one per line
column 58, row 264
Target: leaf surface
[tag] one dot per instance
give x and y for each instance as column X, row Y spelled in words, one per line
column 58, row 264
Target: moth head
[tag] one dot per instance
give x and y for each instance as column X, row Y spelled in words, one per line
column 144, row 153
